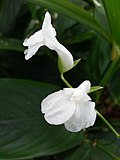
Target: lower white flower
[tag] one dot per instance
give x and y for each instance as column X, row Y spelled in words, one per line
column 71, row 107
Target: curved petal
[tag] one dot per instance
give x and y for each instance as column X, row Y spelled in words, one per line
column 51, row 42
column 32, row 49
column 65, row 57
column 83, row 117
column 85, row 86
column 57, row 107
column 37, row 37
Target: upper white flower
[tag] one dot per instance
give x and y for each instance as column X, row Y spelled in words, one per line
column 46, row 36
column 71, row 107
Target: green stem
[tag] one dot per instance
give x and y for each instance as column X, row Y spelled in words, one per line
column 63, row 79
column 108, row 124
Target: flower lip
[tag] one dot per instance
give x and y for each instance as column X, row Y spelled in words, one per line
column 80, row 93
column 86, row 85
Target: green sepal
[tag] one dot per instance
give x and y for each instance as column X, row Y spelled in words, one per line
column 95, row 88
column 60, row 66
column 76, row 62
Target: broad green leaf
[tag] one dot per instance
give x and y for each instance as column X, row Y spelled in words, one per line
column 89, row 151
column 73, row 11
column 95, row 88
column 23, row 131
column 100, row 15
column 11, row 44
column 112, row 8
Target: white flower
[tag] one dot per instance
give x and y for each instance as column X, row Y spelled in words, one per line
column 46, row 36
column 71, row 107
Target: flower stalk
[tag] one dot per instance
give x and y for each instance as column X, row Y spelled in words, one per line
column 109, row 125
column 64, row 80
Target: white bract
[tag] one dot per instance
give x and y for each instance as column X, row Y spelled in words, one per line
column 71, row 107
column 47, row 36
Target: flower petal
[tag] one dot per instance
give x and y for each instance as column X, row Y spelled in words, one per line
column 85, row 86
column 57, row 107
column 49, row 32
column 83, row 117
column 37, row 37
column 80, row 92
column 32, row 49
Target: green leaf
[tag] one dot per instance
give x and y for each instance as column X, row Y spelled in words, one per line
column 98, row 60
column 80, row 38
column 23, row 131
column 73, row 11
column 88, row 151
column 95, row 88
column 11, row 44
column 112, row 9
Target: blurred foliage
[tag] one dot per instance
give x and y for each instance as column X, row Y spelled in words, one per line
column 90, row 33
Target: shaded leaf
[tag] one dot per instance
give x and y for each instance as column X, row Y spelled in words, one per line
column 11, row 44
column 87, row 151
column 23, row 131
column 73, row 11
column 98, row 60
